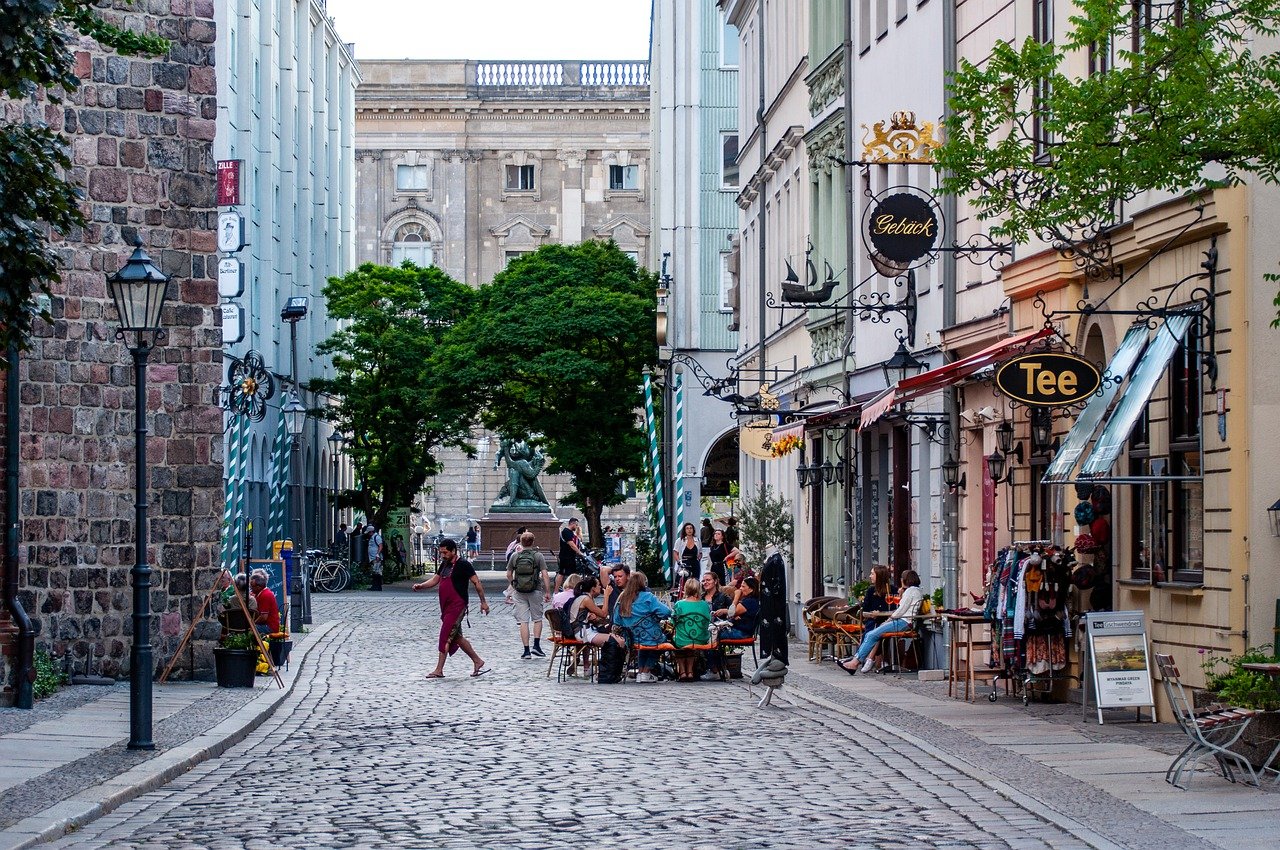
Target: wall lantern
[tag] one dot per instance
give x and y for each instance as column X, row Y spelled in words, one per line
column 1041, row 430
column 996, row 466
column 1004, row 441
column 951, row 475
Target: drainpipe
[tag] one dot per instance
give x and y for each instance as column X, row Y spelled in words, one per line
column 951, row 508
column 850, row 251
column 24, row 674
column 764, row 136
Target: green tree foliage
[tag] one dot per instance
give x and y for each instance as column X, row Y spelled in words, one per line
column 36, row 41
column 1191, row 102
column 554, row 353
column 764, row 519
column 396, row 407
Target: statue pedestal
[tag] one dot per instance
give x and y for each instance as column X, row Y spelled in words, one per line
column 498, row 528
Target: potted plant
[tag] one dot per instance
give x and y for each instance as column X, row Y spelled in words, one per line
column 280, row 646
column 1227, row 683
column 235, row 660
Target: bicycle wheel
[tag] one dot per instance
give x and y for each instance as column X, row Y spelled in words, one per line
column 328, row 577
column 344, row 577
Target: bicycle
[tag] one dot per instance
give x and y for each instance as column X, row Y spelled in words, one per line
column 329, row 576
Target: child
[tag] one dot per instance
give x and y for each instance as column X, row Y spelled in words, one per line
column 692, row 627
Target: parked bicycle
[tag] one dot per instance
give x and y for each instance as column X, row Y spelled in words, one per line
column 328, row 575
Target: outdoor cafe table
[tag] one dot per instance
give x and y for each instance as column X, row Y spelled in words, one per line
column 1272, row 670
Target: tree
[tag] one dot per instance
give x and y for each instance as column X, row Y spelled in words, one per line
column 554, row 353
column 765, row 519
column 394, row 404
column 36, row 39
column 1189, row 104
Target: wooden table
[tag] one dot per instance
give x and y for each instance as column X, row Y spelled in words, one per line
column 962, row 654
column 1271, row 669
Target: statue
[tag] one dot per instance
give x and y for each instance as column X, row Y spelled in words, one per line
column 521, row 490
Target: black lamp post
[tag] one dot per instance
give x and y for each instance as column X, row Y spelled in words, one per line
column 901, row 365
column 336, row 442
column 138, row 290
column 295, row 419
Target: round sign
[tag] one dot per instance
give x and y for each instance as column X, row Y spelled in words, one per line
column 1048, row 379
column 903, row 227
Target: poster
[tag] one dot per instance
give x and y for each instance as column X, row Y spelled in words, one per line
column 395, row 537
column 1119, row 659
column 613, row 548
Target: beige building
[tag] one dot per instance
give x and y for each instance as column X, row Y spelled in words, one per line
column 465, row 165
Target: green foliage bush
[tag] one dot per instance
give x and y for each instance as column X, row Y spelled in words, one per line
column 1242, row 688
column 238, row 640
column 49, row 675
column 648, row 558
column 763, row 519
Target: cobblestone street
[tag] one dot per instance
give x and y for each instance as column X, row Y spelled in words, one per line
column 368, row 753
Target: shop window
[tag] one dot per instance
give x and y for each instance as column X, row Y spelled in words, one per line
column 1140, row 517
column 729, row 160
column 1187, row 545
column 1185, row 393
column 520, row 178
column 624, row 178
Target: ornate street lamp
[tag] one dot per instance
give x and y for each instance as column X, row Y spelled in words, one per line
column 1041, row 430
column 996, row 466
column 1004, row 441
column 901, row 365
column 295, row 420
column 336, row 442
column 951, row 475
column 138, row 290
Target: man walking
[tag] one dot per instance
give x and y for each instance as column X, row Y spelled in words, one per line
column 452, row 578
column 375, row 557
column 570, row 552
column 530, row 591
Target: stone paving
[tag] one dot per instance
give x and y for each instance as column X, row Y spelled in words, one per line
column 368, row 753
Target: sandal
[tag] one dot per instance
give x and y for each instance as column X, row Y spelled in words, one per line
column 435, row 676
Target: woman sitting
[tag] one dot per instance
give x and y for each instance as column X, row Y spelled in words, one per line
column 713, row 592
column 590, row 622
column 642, row 613
column 562, row 598
column 742, row 610
column 899, row 620
column 876, row 600
column 692, row 619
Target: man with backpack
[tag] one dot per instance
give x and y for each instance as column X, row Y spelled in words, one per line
column 530, row 591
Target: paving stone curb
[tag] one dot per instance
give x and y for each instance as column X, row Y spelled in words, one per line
column 70, row 814
column 1036, row 807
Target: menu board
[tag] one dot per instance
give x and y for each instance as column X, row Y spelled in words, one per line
column 1119, row 663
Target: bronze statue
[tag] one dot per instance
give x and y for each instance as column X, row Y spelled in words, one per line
column 521, row 489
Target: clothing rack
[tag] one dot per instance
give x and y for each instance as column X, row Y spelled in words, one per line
column 1018, row 667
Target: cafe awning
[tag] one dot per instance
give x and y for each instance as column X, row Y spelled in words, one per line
column 945, row 376
column 790, row 429
column 1139, row 363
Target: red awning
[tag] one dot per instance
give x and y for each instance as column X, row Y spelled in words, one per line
column 945, row 376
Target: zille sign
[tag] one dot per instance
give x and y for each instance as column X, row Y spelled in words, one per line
column 1048, row 379
column 903, row 227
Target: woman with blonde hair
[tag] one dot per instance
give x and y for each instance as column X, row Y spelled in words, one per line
column 642, row 613
column 692, row 620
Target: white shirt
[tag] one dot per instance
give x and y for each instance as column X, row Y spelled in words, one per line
column 908, row 604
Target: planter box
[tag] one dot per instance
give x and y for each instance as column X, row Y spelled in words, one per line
column 280, row 650
column 1258, row 740
column 235, row 668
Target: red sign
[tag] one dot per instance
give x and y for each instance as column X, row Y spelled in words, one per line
column 229, row 182
column 988, row 520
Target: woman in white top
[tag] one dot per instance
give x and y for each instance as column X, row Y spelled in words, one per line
column 900, row 620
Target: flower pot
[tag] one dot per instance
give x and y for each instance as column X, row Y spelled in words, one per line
column 234, row 668
column 280, row 649
column 733, row 666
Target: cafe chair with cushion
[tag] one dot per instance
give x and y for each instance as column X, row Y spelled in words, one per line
column 1212, row 733
column 569, row 651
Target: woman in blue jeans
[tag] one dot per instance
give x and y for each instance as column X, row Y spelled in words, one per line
column 900, row 620
column 642, row 613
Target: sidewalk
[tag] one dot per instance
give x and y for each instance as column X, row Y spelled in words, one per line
column 1106, row 782
column 66, row 762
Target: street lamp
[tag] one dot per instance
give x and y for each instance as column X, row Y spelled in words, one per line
column 336, row 442
column 1041, row 430
column 951, row 475
column 901, row 365
column 138, row 290
column 996, row 464
column 295, row 419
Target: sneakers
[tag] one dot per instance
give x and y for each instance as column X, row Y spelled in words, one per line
column 537, row 650
column 646, row 677
column 866, row 668
column 526, row 654
column 709, row 677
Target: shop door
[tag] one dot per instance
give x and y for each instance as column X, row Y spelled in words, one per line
column 901, row 502
column 816, row 583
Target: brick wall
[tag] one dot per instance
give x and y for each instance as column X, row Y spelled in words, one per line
column 141, row 132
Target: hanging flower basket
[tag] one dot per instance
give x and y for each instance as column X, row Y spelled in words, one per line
column 786, row 445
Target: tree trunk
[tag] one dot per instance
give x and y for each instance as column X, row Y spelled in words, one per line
column 591, row 511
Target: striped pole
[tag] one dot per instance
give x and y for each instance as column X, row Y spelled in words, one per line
column 230, row 471
column 655, row 460
column 280, row 450
column 242, row 485
column 677, row 510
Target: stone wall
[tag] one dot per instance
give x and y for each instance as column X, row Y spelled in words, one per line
column 141, row 132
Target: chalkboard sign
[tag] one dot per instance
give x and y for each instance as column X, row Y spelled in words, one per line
column 277, row 582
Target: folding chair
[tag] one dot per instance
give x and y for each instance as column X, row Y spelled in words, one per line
column 1212, row 733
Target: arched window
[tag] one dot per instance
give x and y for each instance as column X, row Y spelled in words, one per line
column 412, row 243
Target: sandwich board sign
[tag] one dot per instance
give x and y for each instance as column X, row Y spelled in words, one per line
column 1119, row 667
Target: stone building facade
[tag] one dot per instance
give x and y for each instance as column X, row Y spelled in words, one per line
column 465, row 165
column 141, row 134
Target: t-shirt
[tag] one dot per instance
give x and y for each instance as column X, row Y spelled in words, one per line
column 693, row 622
column 375, row 546
column 746, row 621
column 568, row 557
column 460, row 574
column 267, row 605
column 562, row 597
column 471, row 535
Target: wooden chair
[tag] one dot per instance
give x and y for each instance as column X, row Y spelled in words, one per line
column 570, row 651
column 1212, row 733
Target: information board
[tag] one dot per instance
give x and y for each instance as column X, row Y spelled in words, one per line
column 1118, row 659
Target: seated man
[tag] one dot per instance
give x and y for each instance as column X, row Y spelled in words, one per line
column 620, row 573
column 268, row 618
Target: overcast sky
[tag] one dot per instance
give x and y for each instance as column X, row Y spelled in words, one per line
column 494, row 29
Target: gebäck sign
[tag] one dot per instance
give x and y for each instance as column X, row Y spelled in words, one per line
column 1048, row 379
column 903, row 227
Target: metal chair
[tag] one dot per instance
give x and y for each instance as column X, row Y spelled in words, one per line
column 1212, row 733
column 568, row 650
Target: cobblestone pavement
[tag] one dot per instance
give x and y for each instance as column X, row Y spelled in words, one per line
column 368, row 753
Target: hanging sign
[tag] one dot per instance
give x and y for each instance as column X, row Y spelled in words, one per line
column 229, row 182
column 903, row 227
column 232, row 323
column 1048, row 379
column 1118, row 660
column 756, row 439
column 230, row 277
column 230, row 232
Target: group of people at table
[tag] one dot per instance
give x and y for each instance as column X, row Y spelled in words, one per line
column 882, row 618
column 593, row 612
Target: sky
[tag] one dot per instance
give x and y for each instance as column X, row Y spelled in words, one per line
column 494, row 29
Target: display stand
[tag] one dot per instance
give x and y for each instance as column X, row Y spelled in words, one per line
column 1117, row 663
